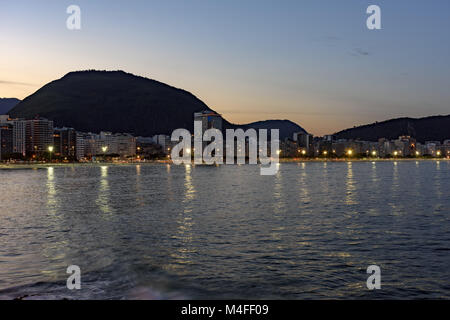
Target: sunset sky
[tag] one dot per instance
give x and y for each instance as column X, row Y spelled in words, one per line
column 312, row 62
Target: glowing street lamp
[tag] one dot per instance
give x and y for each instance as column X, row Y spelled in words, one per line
column 395, row 153
column 50, row 149
column 350, row 152
column 374, row 153
column 438, row 153
column 325, row 153
column 417, row 153
column 303, row 152
column 104, row 149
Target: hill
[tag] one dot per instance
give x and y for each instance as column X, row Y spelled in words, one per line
column 117, row 101
column 7, row 104
column 112, row 101
column 287, row 128
column 435, row 128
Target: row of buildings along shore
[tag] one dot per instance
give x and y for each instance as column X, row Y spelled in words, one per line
column 38, row 139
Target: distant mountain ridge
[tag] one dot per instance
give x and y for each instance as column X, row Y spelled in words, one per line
column 434, row 128
column 117, row 101
column 7, row 104
column 287, row 128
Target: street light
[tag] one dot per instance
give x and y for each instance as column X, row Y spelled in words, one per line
column 374, row 153
column 350, row 152
column 50, row 149
column 104, row 149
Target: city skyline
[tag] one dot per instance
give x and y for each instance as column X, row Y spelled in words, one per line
column 315, row 64
column 37, row 139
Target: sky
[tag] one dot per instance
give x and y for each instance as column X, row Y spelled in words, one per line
column 312, row 62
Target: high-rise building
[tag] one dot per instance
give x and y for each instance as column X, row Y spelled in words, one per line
column 304, row 141
column 38, row 135
column 350, row 148
column 65, row 141
column 6, row 140
column 164, row 141
column 126, row 144
column 209, row 119
column 81, row 145
column 432, row 147
column 107, row 140
column 446, row 148
column 106, row 143
column 18, row 126
column 19, row 139
column 405, row 145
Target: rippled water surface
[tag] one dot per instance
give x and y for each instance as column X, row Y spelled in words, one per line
column 165, row 231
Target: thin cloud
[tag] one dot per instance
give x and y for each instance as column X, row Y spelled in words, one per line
column 17, row 83
column 358, row 52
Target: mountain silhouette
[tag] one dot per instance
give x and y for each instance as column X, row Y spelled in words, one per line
column 116, row 101
column 113, row 101
column 435, row 128
column 287, row 128
column 7, row 104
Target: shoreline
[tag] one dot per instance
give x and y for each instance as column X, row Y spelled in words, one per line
column 6, row 166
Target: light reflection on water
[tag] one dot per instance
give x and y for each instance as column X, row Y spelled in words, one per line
column 51, row 192
column 103, row 199
column 184, row 236
column 226, row 232
column 350, row 200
